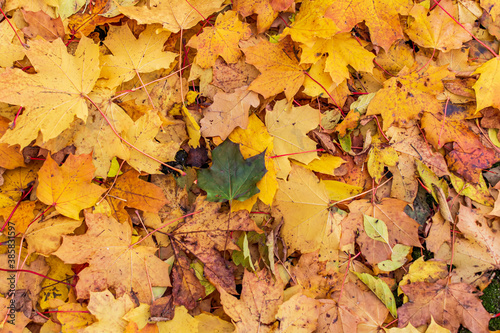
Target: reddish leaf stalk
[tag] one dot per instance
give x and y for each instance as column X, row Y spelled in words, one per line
column 346, row 272
column 392, row 322
column 487, row 138
column 15, row 208
column 428, row 61
column 42, row 315
column 125, row 92
column 128, row 143
column 382, row 68
column 13, row 125
column 32, row 272
column 198, row 13
column 283, row 21
column 163, row 226
column 13, row 29
column 322, row 87
column 422, row 184
column 380, row 128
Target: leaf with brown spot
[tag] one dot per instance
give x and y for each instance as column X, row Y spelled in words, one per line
column 449, row 304
column 138, row 193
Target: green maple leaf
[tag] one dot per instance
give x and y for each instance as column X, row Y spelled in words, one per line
column 230, row 176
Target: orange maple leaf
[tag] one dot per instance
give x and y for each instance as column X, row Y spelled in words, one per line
column 68, row 188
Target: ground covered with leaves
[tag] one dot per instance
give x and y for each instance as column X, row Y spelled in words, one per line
column 249, row 166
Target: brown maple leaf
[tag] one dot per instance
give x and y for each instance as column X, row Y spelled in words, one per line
column 449, row 304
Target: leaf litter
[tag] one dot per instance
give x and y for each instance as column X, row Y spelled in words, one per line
column 211, row 166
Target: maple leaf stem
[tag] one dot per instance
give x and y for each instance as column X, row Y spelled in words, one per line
column 380, row 128
column 382, row 68
column 32, row 272
column 322, row 87
column 357, row 195
column 477, row 40
column 112, row 185
column 13, row 125
column 8, row 21
column 283, row 21
column 125, row 92
column 302, row 152
column 198, row 13
column 42, row 315
column 128, row 143
column 392, row 322
column 145, row 90
column 163, row 226
column 487, row 137
column 345, row 274
column 428, row 61
column 15, row 208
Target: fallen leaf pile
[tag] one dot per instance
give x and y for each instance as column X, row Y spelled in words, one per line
column 249, row 166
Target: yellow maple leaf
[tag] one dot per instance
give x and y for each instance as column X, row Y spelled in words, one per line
column 173, row 15
column 221, row 40
column 381, row 155
column 311, row 22
column 14, row 181
column 343, row 50
column 68, row 187
column 289, row 125
column 11, row 49
column 45, row 237
column 263, row 8
column 308, row 226
column 319, row 78
column 280, row 70
column 55, row 294
column 142, row 135
column 435, row 29
column 380, row 16
column 112, row 262
column 57, row 92
column 132, row 56
column 405, row 96
column 97, row 137
column 108, row 311
column 488, row 84
column 74, row 317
